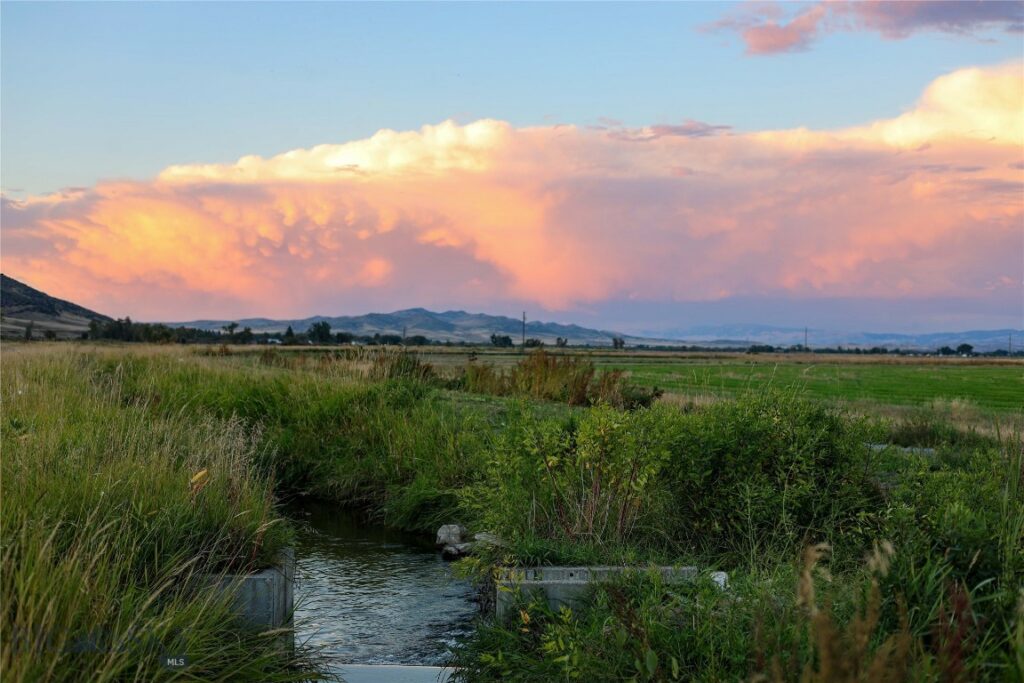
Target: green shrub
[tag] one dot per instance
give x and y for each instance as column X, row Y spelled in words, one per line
column 553, row 377
column 768, row 472
column 596, row 479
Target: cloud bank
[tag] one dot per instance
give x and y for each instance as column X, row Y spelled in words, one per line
column 926, row 204
column 765, row 29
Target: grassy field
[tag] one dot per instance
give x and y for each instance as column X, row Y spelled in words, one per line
column 104, row 449
column 988, row 385
column 991, row 385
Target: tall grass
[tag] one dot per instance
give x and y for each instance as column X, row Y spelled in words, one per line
column 555, row 377
column 114, row 519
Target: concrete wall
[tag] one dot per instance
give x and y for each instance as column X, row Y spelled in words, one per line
column 567, row 586
column 265, row 600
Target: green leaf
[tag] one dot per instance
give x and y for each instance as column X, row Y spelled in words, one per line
column 651, row 659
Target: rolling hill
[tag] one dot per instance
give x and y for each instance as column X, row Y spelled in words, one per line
column 452, row 326
column 21, row 305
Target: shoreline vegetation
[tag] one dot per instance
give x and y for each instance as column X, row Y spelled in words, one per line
column 131, row 473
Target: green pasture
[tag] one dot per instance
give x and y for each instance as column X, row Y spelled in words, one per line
column 994, row 387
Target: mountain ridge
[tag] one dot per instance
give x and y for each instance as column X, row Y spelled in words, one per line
column 22, row 305
column 451, row 325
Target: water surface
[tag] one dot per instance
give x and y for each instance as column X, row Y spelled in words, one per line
column 370, row 595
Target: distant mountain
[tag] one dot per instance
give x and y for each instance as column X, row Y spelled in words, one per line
column 743, row 335
column 452, row 326
column 21, row 305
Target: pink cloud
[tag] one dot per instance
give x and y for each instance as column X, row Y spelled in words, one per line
column 927, row 204
column 764, row 30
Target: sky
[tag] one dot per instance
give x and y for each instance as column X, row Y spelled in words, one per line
column 641, row 167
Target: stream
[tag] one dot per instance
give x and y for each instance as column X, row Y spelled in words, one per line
column 370, row 595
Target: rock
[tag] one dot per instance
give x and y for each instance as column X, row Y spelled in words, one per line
column 456, row 550
column 450, row 534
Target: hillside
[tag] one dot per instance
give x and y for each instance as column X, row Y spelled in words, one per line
column 21, row 305
column 453, row 326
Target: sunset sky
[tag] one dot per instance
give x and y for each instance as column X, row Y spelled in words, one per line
column 641, row 167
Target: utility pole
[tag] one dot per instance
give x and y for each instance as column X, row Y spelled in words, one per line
column 805, row 339
column 1009, row 345
column 524, row 329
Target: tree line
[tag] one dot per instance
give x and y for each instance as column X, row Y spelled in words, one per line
column 320, row 333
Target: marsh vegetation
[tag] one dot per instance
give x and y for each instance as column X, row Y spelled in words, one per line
column 136, row 472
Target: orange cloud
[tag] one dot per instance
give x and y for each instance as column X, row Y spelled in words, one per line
column 928, row 203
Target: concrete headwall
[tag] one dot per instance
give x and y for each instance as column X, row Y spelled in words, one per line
column 265, row 600
column 567, row 586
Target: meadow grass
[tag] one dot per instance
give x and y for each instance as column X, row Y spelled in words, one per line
column 996, row 387
column 110, row 538
column 101, row 444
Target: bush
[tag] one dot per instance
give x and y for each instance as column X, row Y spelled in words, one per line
column 768, row 472
column 552, row 377
column 593, row 480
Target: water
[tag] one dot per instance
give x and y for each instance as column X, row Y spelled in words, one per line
column 370, row 595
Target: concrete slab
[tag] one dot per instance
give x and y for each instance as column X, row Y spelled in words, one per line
column 567, row 586
column 909, row 450
column 388, row 673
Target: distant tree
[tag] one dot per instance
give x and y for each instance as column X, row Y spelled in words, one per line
column 320, row 332
column 618, row 343
column 289, row 336
column 946, row 351
column 50, row 335
column 230, row 329
column 390, row 339
column 245, row 336
column 28, row 331
column 416, row 340
column 561, row 342
column 343, row 338
column 502, row 341
column 965, row 350
column 533, row 343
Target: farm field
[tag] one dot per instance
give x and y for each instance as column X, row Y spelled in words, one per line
column 995, row 387
column 990, row 385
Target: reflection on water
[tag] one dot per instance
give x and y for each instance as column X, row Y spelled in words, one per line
column 369, row 595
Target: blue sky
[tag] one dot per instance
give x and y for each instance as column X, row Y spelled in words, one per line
column 120, row 90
